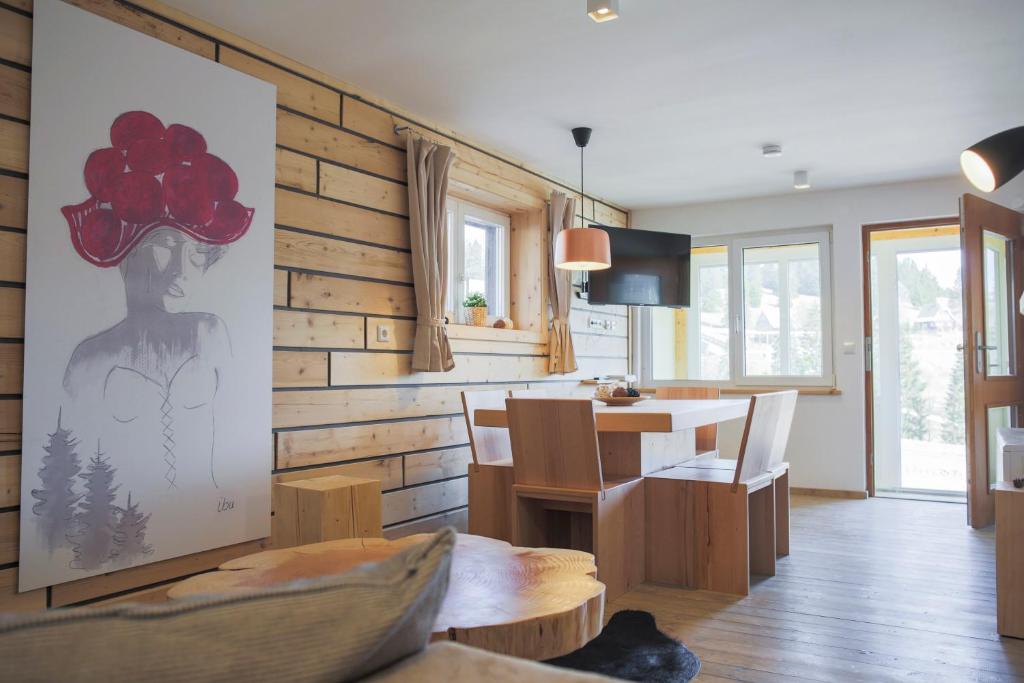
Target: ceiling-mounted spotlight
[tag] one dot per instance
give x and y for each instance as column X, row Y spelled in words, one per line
column 800, row 180
column 603, row 10
column 995, row 160
column 771, row 151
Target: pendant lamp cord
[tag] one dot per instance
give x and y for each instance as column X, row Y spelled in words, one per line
column 582, row 196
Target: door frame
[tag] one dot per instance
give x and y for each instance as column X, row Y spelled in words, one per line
column 869, row 409
column 977, row 215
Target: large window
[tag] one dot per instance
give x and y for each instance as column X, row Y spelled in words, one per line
column 478, row 258
column 759, row 314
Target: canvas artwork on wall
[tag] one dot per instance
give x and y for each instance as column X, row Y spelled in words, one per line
column 148, row 329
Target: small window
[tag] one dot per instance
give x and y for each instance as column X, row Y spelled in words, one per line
column 759, row 314
column 478, row 258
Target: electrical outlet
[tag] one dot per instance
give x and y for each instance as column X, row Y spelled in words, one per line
column 383, row 333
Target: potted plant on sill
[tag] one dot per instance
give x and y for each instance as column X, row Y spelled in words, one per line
column 476, row 309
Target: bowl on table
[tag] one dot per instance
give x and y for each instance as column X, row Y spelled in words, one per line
column 620, row 400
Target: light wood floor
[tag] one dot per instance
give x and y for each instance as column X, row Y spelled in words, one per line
column 874, row 590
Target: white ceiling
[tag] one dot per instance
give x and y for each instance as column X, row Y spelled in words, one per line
column 681, row 93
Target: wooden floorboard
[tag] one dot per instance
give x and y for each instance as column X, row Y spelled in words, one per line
column 873, row 590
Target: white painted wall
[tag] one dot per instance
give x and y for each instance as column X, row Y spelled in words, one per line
column 826, row 448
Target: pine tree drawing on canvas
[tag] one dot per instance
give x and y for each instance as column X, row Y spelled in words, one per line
column 130, row 534
column 56, row 499
column 93, row 539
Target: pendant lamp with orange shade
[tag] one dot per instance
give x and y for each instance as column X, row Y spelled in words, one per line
column 582, row 248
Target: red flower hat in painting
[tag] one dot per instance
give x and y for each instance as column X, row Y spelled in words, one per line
column 153, row 177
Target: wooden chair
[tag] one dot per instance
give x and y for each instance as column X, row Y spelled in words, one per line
column 709, row 527
column 706, row 436
column 490, row 474
column 562, row 498
column 777, row 466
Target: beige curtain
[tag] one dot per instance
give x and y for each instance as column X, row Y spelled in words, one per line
column 561, row 357
column 428, row 188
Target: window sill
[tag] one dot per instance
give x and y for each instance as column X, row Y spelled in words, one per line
column 482, row 333
column 748, row 390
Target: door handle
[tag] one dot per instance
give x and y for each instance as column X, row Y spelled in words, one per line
column 960, row 348
column 979, row 357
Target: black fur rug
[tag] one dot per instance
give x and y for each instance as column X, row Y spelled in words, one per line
column 632, row 648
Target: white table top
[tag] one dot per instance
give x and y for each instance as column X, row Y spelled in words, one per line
column 647, row 416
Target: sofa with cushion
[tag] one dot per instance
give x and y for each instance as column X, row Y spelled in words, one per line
column 371, row 623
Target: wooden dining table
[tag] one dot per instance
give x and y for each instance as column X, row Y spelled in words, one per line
column 646, row 437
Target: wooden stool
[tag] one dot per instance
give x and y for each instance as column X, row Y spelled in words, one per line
column 325, row 509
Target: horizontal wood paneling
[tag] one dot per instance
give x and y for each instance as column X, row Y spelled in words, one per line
column 13, row 202
column 600, row 345
column 293, row 92
column 10, row 424
column 298, row 369
column 11, row 364
column 422, row 468
column 347, row 185
column 10, row 480
column 295, row 170
column 327, row 142
column 337, row 444
column 12, row 312
column 8, row 537
column 15, row 37
column 341, row 220
column 351, row 296
column 310, row 252
column 420, row 501
column 14, row 92
column 584, row 305
column 318, row 330
column 13, row 601
column 369, row 120
column 396, row 368
column 13, row 146
column 301, row 408
column 12, row 256
column 280, row 288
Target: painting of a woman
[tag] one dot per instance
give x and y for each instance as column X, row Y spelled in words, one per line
column 149, row 289
column 162, row 211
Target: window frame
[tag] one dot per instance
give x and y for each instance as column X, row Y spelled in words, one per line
column 738, row 377
column 456, row 211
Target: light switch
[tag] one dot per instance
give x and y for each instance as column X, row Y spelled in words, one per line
column 849, row 348
column 383, row 333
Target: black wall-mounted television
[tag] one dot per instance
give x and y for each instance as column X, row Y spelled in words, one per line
column 648, row 269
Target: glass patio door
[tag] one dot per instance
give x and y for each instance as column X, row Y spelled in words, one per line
column 916, row 372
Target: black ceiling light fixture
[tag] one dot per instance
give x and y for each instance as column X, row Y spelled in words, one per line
column 994, row 161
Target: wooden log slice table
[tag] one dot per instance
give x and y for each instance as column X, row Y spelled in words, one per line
column 535, row 603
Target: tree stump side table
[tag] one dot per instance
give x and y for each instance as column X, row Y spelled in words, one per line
column 535, row 603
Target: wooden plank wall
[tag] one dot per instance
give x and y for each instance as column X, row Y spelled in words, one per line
column 343, row 402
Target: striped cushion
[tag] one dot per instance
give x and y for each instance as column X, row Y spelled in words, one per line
column 335, row 628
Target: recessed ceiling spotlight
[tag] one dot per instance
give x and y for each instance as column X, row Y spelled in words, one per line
column 603, row 10
column 800, row 180
column 771, row 151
